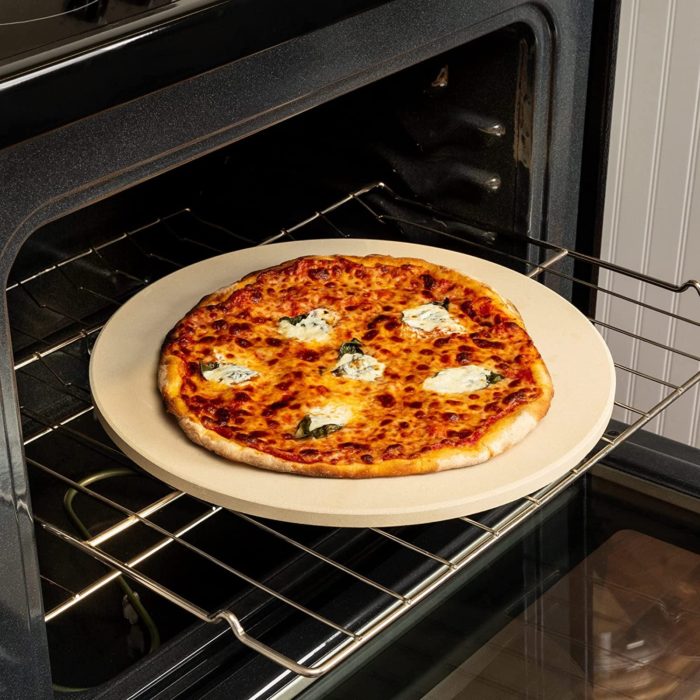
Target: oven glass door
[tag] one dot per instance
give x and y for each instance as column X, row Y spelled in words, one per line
column 598, row 597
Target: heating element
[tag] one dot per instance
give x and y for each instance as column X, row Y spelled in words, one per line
column 57, row 313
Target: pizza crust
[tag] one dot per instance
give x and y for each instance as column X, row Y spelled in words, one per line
column 506, row 432
column 512, row 430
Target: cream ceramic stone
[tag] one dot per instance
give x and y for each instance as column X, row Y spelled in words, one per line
column 123, row 380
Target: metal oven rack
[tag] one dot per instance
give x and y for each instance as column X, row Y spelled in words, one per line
column 66, row 393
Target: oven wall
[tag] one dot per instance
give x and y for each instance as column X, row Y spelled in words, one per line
column 652, row 211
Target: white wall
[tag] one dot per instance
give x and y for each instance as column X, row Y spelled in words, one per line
column 652, row 210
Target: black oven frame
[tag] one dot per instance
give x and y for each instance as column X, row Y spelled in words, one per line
column 59, row 172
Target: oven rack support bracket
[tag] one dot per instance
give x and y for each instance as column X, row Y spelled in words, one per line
column 543, row 261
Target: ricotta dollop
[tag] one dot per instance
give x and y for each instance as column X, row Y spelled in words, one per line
column 226, row 373
column 461, row 380
column 430, row 317
column 332, row 414
column 314, row 326
column 359, row 366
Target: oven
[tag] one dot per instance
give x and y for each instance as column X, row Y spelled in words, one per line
column 138, row 138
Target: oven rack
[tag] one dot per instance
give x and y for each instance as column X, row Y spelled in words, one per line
column 56, row 366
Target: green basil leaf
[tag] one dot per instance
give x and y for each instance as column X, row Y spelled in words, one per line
column 493, row 377
column 352, row 347
column 294, row 320
column 444, row 303
column 324, row 430
column 207, row 366
column 302, row 430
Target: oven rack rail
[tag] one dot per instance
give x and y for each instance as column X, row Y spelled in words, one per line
column 542, row 261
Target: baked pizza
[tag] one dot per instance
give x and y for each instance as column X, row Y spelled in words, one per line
column 343, row 366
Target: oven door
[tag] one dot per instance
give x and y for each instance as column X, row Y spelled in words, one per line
column 598, row 596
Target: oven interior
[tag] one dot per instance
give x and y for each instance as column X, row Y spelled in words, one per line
column 440, row 154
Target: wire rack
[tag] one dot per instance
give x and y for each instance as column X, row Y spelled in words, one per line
column 70, row 300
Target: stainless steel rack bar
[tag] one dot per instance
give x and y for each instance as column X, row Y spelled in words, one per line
column 343, row 639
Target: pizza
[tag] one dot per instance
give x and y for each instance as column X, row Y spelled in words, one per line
column 344, row 366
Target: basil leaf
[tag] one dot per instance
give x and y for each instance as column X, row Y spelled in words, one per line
column 493, row 377
column 207, row 366
column 352, row 347
column 324, row 430
column 294, row 320
column 444, row 303
column 303, row 432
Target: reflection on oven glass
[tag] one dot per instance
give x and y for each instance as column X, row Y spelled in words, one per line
column 624, row 623
column 29, row 27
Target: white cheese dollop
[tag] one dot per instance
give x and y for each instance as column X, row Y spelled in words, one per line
column 225, row 373
column 332, row 414
column 430, row 317
column 316, row 325
column 461, row 380
column 356, row 365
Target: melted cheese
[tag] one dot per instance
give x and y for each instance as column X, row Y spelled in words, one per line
column 418, row 403
column 225, row 373
column 316, row 326
column 430, row 317
column 459, row 380
column 358, row 366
